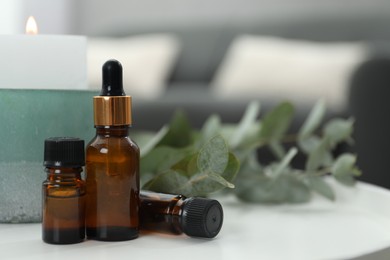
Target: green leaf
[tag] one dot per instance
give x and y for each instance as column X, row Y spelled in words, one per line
column 260, row 189
column 338, row 130
column 161, row 159
column 344, row 164
column 313, row 121
column 344, row 169
column 247, row 121
column 277, row 122
column 286, row 188
column 285, row 162
column 214, row 182
column 211, row 128
column 198, row 184
column 231, row 169
column 318, row 185
column 218, row 178
column 309, row 144
column 319, row 156
column 227, row 131
column 277, row 149
column 214, row 156
column 297, row 191
column 146, row 147
column 180, row 133
column 347, row 180
column 187, row 166
column 168, row 181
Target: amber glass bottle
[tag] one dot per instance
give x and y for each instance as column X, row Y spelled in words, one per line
column 63, row 200
column 196, row 217
column 112, row 164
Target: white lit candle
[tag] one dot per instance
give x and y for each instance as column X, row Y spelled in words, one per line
column 42, row 61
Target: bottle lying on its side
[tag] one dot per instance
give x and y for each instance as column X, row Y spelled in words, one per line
column 196, row 217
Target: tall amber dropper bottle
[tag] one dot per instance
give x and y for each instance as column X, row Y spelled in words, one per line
column 112, row 164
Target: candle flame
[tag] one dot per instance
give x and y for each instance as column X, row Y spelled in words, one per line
column 31, row 26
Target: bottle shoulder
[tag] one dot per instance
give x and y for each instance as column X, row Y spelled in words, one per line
column 105, row 141
column 112, row 145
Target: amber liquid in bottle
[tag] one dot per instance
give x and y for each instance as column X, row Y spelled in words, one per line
column 63, row 211
column 161, row 212
column 112, row 166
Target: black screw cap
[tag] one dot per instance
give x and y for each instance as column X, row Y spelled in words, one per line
column 64, row 152
column 202, row 217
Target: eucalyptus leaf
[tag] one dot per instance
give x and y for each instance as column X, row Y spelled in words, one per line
column 338, row 130
column 145, row 148
column 309, row 144
column 162, row 158
column 205, row 183
column 198, row 184
column 313, row 121
column 245, row 124
column 286, row 188
column 298, row 192
column 187, row 166
column 347, row 180
column 180, row 132
column 319, row 185
column 277, row 149
column 210, row 128
column 214, row 156
column 277, row 122
column 344, row 169
column 344, row 165
column 169, row 181
column 218, row 178
column 260, row 189
column 212, row 183
column 227, row 131
column 142, row 138
column 319, row 156
column 285, row 162
column 231, row 169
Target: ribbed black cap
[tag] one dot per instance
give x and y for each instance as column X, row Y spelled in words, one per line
column 64, row 152
column 202, row 217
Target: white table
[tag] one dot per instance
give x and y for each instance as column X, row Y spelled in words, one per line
column 356, row 224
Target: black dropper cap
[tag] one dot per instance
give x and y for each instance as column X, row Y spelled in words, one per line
column 112, row 79
column 202, row 217
column 64, row 152
column 112, row 107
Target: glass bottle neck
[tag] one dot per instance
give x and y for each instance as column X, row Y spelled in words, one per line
column 63, row 173
column 122, row 130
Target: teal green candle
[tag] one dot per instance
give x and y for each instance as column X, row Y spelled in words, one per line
column 27, row 118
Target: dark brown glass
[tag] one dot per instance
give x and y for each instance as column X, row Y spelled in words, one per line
column 63, row 206
column 112, row 167
column 161, row 212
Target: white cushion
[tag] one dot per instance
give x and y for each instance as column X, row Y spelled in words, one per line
column 297, row 70
column 147, row 61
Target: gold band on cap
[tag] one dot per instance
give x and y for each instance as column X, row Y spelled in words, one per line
column 112, row 110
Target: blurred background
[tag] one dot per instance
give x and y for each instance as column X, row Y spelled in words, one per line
column 97, row 17
column 215, row 56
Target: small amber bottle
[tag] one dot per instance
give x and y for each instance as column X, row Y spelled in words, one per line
column 63, row 200
column 112, row 164
column 196, row 217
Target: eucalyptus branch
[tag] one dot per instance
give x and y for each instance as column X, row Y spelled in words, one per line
column 194, row 163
